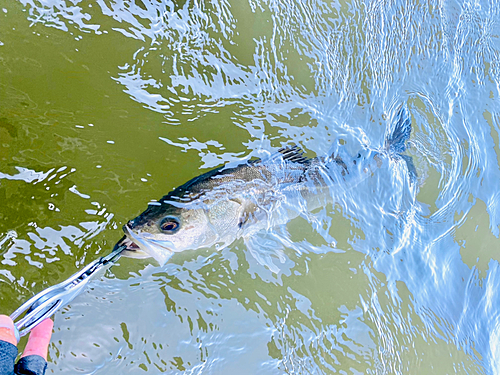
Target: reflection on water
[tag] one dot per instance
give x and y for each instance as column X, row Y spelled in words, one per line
column 105, row 106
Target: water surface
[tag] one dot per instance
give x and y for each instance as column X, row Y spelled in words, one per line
column 105, row 106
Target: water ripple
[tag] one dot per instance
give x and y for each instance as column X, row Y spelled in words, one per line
column 396, row 275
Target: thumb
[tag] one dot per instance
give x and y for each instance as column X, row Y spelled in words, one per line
column 38, row 342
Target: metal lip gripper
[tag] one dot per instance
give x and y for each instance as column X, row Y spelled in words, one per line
column 44, row 304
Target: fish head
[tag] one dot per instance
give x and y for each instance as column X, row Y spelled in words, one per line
column 211, row 209
column 168, row 227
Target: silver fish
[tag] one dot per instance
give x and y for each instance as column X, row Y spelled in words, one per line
column 227, row 203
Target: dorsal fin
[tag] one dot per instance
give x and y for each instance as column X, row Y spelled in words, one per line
column 293, row 154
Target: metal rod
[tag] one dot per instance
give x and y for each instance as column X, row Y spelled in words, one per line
column 44, row 304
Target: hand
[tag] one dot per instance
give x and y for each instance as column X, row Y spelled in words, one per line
column 38, row 341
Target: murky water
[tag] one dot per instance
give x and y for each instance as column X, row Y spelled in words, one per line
column 107, row 105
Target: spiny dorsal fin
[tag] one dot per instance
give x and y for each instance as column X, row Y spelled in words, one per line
column 293, row 154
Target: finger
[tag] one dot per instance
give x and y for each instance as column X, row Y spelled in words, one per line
column 38, row 342
column 7, row 330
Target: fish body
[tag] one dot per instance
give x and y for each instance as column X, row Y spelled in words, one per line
column 217, row 207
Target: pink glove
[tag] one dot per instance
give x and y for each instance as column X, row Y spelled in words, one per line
column 38, row 341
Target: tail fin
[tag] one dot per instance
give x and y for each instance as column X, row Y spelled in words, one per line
column 395, row 141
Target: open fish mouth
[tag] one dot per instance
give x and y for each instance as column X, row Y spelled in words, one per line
column 139, row 248
column 126, row 241
column 132, row 250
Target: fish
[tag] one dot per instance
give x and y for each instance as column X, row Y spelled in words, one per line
column 238, row 201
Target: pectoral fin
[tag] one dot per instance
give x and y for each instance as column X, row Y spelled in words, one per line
column 246, row 214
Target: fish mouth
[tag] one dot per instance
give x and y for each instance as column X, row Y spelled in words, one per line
column 139, row 248
column 131, row 250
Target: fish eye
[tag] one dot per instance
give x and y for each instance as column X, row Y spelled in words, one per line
column 170, row 225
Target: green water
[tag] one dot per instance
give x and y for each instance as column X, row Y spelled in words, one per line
column 100, row 115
